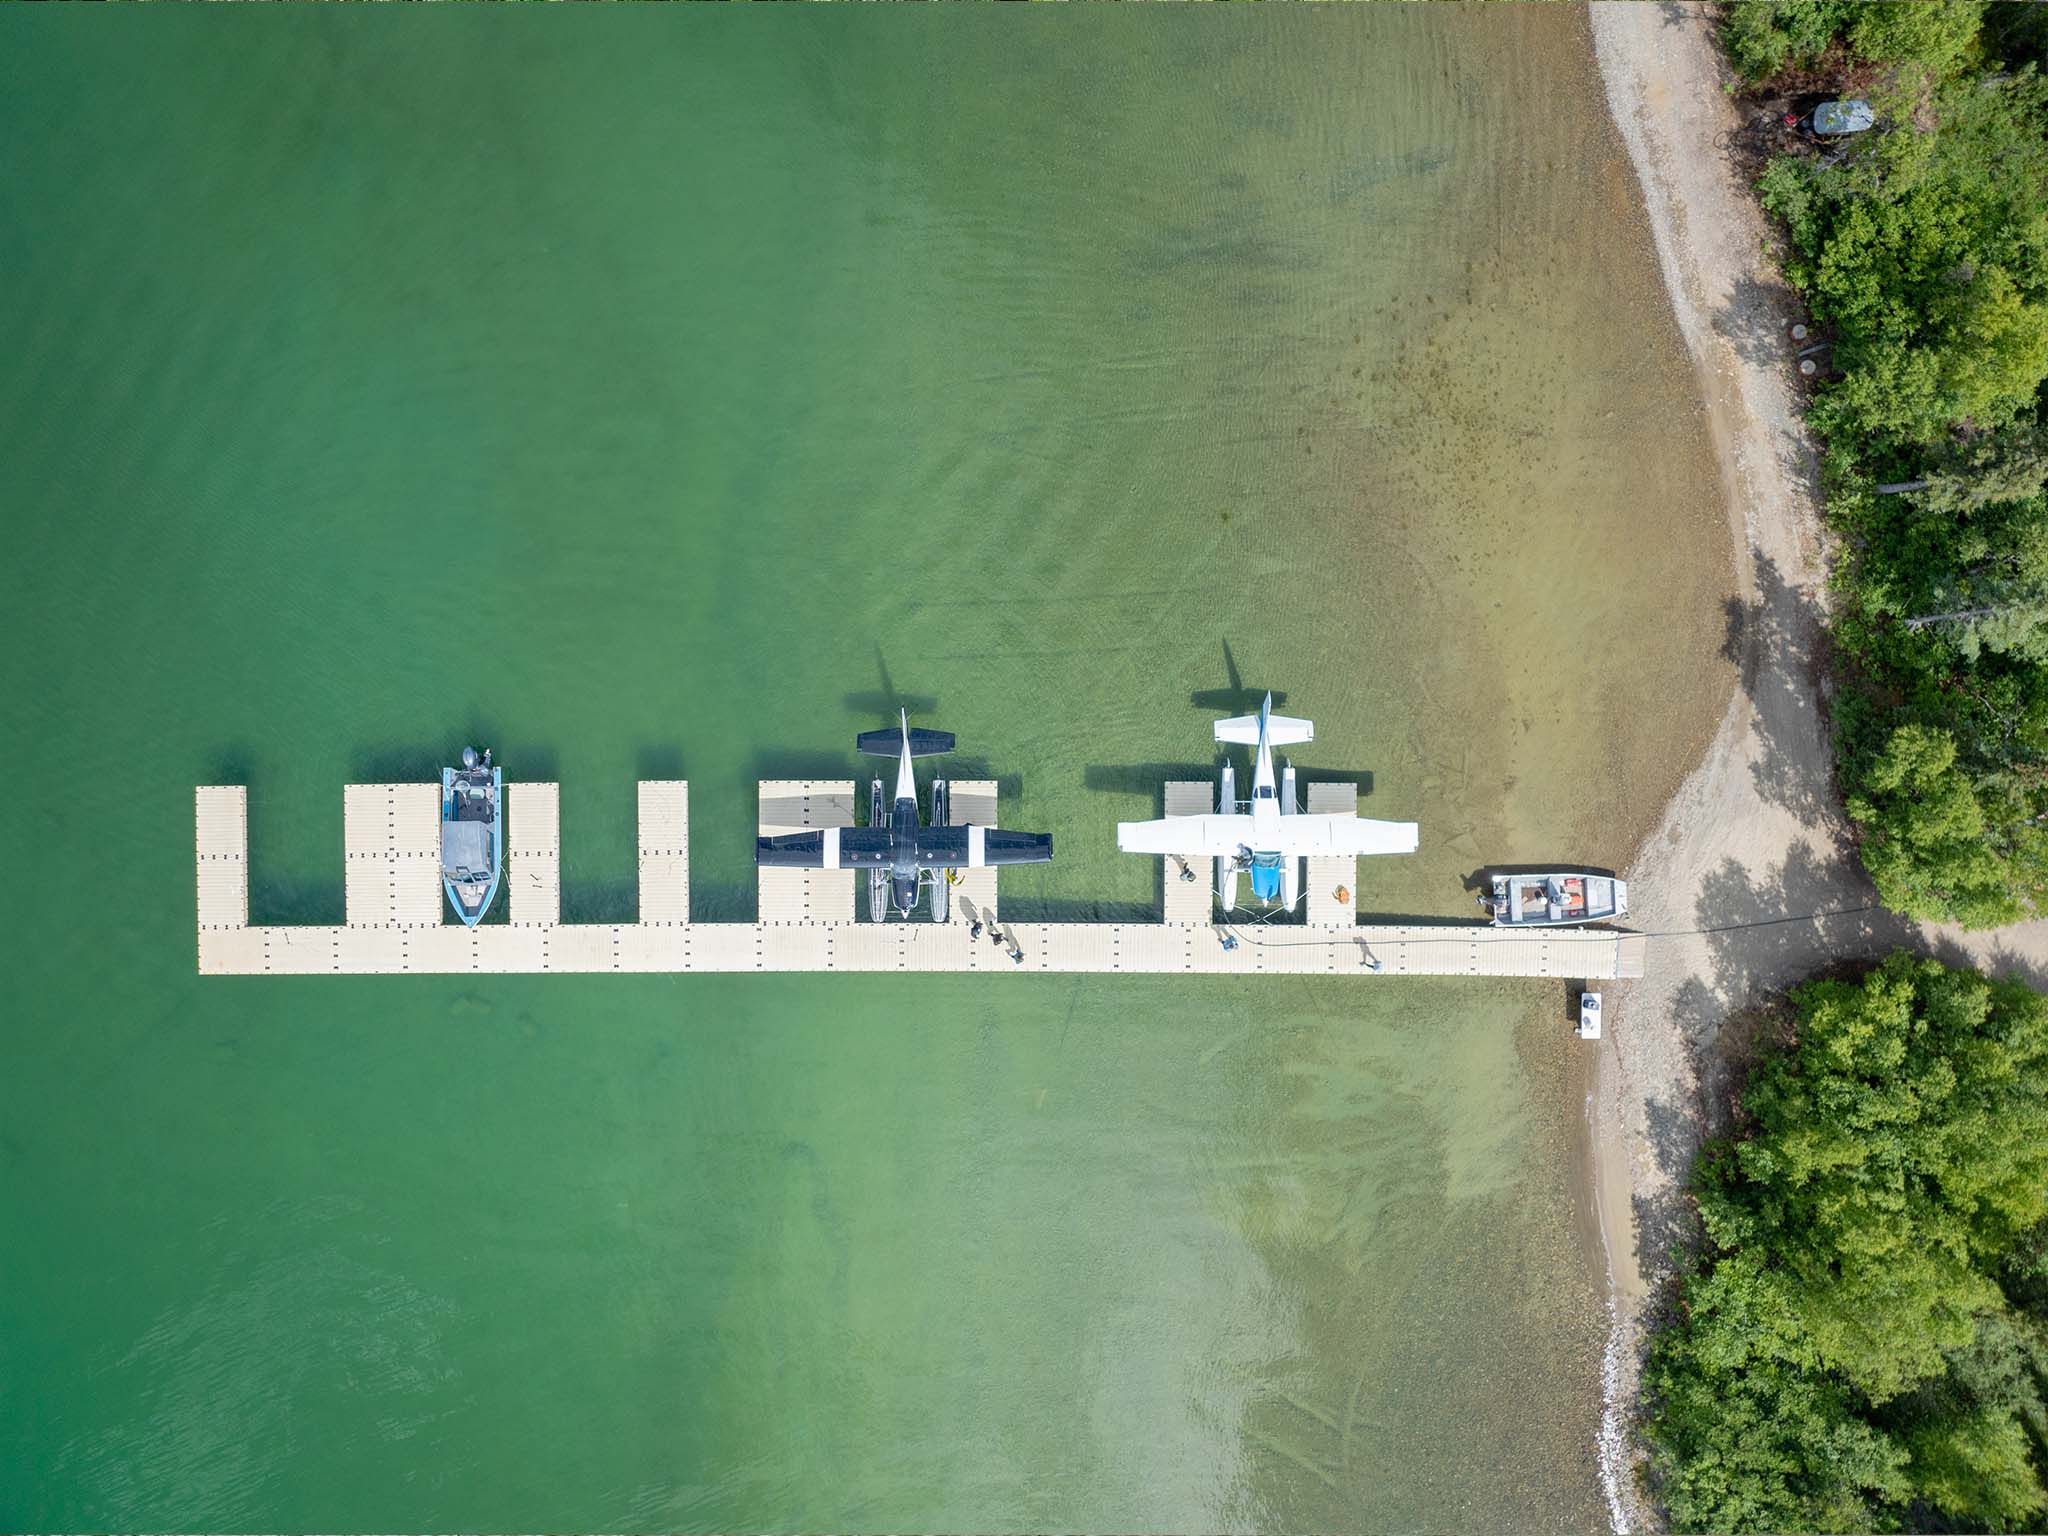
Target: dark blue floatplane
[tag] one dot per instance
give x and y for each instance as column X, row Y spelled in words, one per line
column 902, row 855
column 472, row 834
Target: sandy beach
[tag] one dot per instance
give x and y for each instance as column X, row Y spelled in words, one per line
column 1750, row 880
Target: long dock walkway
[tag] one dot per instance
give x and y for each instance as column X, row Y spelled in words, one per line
column 396, row 920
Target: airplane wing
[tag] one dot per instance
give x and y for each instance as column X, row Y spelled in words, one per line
column 1324, row 836
column 1320, row 836
column 1007, row 847
column 826, row 848
column 1188, row 835
column 971, row 847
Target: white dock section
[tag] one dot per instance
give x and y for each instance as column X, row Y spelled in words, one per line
column 391, row 838
column 1189, row 901
column 221, row 843
column 396, row 920
column 973, row 800
column 1326, row 877
column 805, row 895
column 533, row 853
column 664, row 851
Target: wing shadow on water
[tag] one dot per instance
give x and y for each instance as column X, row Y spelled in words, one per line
column 887, row 699
column 404, row 762
column 1236, row 699
column 796, row 763
column 662, row 760
column 1148, row 779
column 1008, row 785
column 1014, row 908
column 599, row 897
column 805, row 763
column 421, row 762
column 1303, row 777
column 320, row 902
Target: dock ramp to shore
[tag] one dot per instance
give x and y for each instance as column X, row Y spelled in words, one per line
column 396, row 922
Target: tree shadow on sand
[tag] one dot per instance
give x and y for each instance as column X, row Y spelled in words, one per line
column 1763, row 933
column 1757, row 322
column 1776, row 641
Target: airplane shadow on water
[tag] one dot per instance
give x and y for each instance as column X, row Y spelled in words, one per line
column 1150, row 778
column 1235, row 699
column 887, row 699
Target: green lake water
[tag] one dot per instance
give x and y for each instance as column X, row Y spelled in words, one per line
column 654, row 393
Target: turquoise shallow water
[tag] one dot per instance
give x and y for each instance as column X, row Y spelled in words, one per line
column 659, row 393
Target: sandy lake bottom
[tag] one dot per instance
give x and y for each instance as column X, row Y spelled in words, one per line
column 666, row 396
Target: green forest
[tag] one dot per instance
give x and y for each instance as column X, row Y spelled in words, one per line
column 1921, row 250
column 1860, row 1340
column 1863, row 1341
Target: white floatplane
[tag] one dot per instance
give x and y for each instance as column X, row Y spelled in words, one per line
column 1269, row 835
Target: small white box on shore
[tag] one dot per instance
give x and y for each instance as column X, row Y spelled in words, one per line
column 1589, row 1015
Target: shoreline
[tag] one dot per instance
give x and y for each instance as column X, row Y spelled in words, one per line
column 1755, row 834
column 1663, row 79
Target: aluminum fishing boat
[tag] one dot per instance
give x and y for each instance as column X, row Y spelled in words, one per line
column 1555, row 900
column 472, row 834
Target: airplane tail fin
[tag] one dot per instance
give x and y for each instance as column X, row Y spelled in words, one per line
column 889, row 743
column 1281, row 730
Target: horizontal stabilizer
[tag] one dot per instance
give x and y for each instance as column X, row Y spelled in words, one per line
column 923, row 743
column 1281, row 730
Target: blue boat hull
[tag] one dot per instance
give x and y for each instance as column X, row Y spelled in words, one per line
column 497, row 844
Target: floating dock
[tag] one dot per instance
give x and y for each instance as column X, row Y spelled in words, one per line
column 397, row 922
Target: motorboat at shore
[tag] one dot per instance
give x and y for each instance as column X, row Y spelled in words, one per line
column 472, row 834
column 1555, row 899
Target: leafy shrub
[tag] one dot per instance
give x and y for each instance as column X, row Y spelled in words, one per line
column 1845, row 1349
column 1764, row 36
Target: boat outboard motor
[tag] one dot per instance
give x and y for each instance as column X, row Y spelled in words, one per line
column 468, row 758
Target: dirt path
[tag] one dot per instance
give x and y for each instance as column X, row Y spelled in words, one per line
column 1755, row 834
